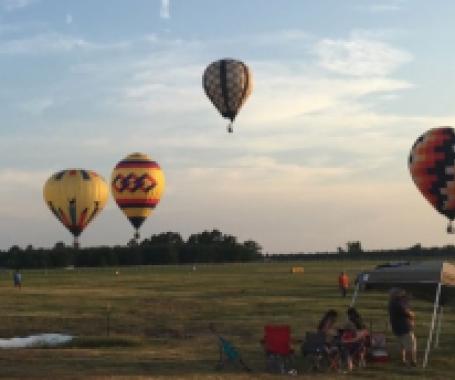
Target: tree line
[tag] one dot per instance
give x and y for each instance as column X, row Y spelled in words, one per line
column 164, row 248
column 205, row 247
column 354, row 251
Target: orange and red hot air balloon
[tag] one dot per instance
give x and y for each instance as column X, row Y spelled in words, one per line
column 137, row 186
column 432, row 167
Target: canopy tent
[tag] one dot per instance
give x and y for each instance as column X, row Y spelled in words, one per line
column 431, row 280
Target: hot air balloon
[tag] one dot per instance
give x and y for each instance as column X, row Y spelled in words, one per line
column 137, row 185
column 75, row 197
column 432, row 167
column 227, row 83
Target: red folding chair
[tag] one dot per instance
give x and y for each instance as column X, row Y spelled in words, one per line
column 278, row 349
column 354, row 345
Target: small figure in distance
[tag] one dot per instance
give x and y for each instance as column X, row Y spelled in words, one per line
column 17, row 279
column 343, row 283
column 402, row 320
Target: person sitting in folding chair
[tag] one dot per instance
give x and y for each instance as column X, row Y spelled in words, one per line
column 327, row 324
column 277, row 345
column 228, row 352
column 318, row 355
column 353, row 338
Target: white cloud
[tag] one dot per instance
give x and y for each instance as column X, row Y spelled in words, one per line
column 172, row 75
column 8, row 28
column 18, row 177
column 160, row 87
column 69, row 18
column 165, row 9
column 286, row 37
column 283, row 92
column 387, row 6
column 360, row 57
column 375, row 6
column 310, row 148
column 24, row 191
column 43, row 43
column 48, row 43
column 295, row 203
column 12, row 5
column 303, row 93
column 37, row 106
column 384, row 7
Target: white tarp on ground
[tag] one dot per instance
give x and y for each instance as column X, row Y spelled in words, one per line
column 35, row 340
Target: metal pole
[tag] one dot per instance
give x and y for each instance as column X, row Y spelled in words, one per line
column 433, row 320
column 438, row 328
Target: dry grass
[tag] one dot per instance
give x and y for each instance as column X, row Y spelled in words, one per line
column 159, row 317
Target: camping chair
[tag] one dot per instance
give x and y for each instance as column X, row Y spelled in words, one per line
column 278, row 350
column 377, row 351
column 318, row 355
column 228, row 353
column 352, row 346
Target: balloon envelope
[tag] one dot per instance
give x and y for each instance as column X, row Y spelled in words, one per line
column 75, row 197
column 432, row 167
column 137, row 186
column 227, row 83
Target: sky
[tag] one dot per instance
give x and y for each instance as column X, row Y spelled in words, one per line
column 318, row 156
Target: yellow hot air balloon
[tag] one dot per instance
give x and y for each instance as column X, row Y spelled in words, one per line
column 137, row 186
column 227, row 83
column 75, row 197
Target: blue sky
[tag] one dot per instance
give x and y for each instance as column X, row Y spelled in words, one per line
column 318, row 157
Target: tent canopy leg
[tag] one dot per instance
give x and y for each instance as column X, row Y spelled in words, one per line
column 433, row 321
column 354, row 296
column 439, row 324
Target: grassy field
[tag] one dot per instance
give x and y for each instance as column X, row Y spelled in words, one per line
column 157, row 320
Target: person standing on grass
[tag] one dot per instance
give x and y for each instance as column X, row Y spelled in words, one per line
column 402, row 320
column 343, row 283
column 17, row 279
